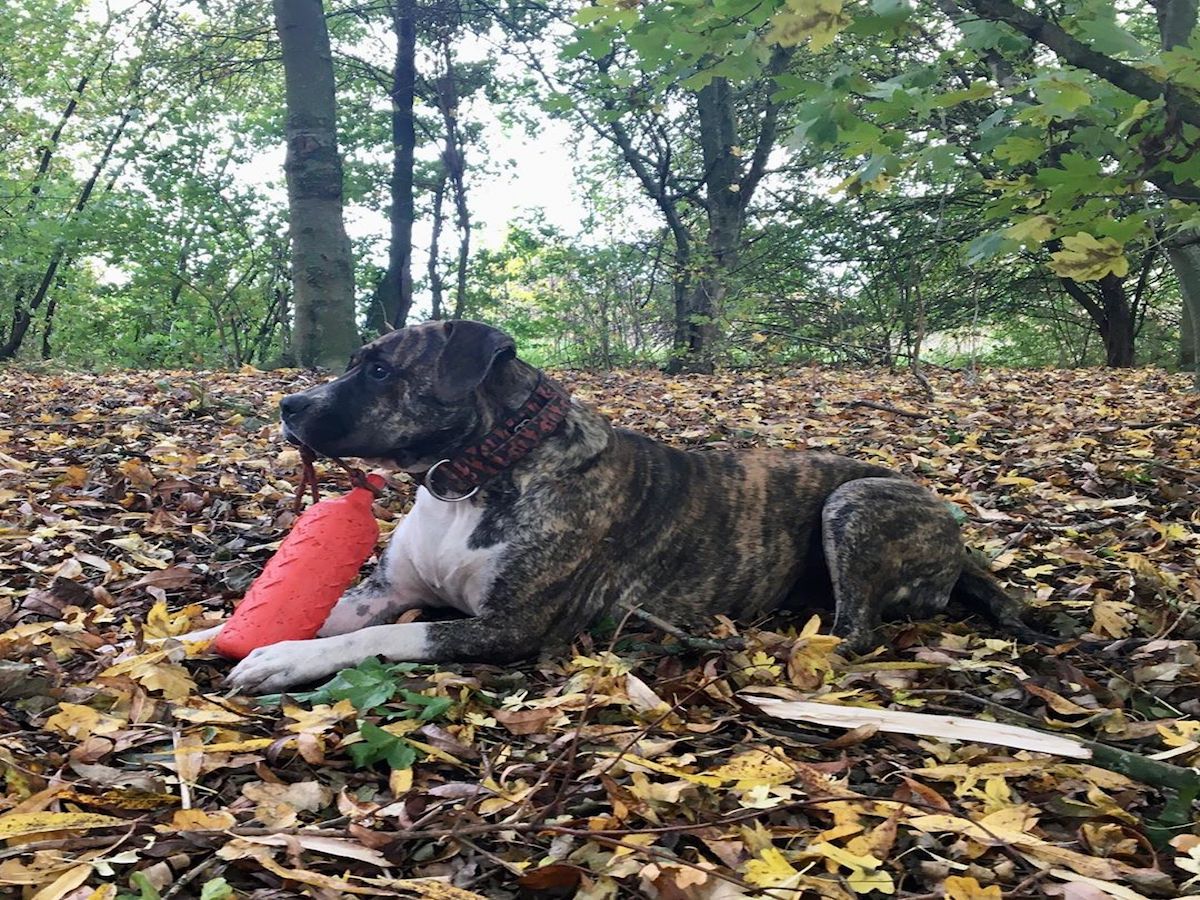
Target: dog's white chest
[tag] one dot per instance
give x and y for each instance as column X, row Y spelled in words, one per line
column 434, row 537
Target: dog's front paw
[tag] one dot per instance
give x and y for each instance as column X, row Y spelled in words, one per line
column 277, row 667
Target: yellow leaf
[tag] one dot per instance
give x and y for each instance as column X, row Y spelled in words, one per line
column 1022, row 768
column 770, row 869
column 1016, row 481
column 815, row 21
column 64, row 884
column 78, row 721
column 1086, row 258
column 663, row 769
column 1035, row 571
column 319, row 719
column 199, row 820
column 811, row 627
column 155, row 672
column 400, row 781
column 203, row 711
column 20, row 824
column 160, row 623
column 959, row 887
column 1179, row 734
column 239, row 746
column 756, row 767
column 1108, row 618
column 865, row 872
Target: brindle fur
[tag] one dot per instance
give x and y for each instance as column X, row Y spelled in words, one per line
column 597, row 517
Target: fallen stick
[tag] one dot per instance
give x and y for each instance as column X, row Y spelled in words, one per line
column 1183, row 781
column 688, row 640
column 956, row 728
column 883, row 407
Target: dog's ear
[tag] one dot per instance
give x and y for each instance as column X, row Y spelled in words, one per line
column 472, row 350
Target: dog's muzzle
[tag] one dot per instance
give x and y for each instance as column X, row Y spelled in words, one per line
column 291, row 410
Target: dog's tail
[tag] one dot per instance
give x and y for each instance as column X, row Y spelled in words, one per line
column 978, row 591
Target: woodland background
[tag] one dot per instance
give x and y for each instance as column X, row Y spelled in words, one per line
column 763, row 181
column 838, row 224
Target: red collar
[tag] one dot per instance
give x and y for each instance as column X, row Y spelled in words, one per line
column 509, row 441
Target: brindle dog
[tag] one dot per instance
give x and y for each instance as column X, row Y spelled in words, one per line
column 595, row 517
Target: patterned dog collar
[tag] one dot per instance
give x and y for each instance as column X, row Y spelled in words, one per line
column 511, row 440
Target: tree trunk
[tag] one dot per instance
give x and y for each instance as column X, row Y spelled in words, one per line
column 1119, row 328
column 437, row 286
column 322, row 273
column 1115, row 317
column 455, row 163
column 1176, row 22
column 393, row 296
column 1186, row 263
column 697, row 330
column 1187, row 328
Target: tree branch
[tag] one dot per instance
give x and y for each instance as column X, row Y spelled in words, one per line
column 1078, row 54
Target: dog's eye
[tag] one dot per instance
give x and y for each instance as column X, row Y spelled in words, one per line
column 377, row 371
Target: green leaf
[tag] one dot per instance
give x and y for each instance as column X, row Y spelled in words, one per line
column 1017, row 150
column 428, row 708
column 216, row 889
column 859, row 136
column 589, row 14
column 367, row 686
column 1105, row 36
column 891, row 8
column 1078, row 174
column 986, row 246
column 1060, row 97
column 977, row 91
column 147, row 891
column 378, row 745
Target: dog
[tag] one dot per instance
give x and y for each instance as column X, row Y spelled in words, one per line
column 535, row 516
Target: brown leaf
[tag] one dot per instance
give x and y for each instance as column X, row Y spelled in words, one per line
column 526, row 721
column 555, row 876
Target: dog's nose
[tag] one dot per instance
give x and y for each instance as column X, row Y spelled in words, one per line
column 293, row 405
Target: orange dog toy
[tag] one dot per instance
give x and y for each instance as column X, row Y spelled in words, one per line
column 309, row 572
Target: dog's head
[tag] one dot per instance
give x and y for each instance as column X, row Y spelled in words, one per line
column 412, row 396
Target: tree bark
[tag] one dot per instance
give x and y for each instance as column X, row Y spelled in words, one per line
column 1114, row 317
column 322, row 273
column 1072, row 50
column 1185, row 260
column 1187, row 331
column 1120, row 326
column 393, row 296
column 1176, row 22
column 728, row 192
column 696, row 334
column 437, row 286
column 455, row 164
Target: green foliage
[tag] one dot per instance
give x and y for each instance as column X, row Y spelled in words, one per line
column 934, row 172
column 378, row 745
column 217, row 889
column 368, row 686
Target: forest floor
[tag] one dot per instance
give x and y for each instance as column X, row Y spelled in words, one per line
column 140, row 505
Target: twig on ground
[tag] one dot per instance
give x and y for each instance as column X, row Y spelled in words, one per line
column 690, row 640
column 190, row 875
column 883, row 407
column 1166, row 467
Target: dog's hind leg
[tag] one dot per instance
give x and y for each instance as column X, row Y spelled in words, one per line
column 893, row 549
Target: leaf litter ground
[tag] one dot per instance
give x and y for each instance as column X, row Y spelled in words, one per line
column 140, row 505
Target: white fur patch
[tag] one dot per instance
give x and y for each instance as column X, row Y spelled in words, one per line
column 433, row 540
